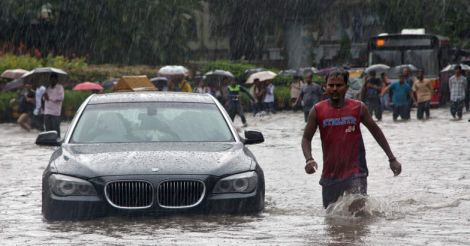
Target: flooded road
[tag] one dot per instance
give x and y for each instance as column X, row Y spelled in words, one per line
column 427, row 204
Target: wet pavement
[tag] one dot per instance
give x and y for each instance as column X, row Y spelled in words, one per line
column 427, row 204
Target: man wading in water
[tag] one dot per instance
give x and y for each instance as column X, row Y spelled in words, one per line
column 344, row 160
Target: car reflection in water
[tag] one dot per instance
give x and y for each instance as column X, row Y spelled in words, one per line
column 151, row 152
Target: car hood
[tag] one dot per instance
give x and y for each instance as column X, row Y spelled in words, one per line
column 157, row 159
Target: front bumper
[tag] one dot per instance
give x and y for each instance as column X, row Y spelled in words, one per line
column 86, row 207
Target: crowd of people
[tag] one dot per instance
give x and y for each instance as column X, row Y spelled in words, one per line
column 40, row 105
column 400, row 96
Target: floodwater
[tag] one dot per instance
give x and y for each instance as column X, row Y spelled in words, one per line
column 427, row 204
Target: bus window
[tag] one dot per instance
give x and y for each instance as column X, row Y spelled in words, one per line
column 387, row 57
column 423, row 59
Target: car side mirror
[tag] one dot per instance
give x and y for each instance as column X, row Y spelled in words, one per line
column 49, row 138
column 253, row 137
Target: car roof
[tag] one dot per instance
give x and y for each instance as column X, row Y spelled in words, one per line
column 150, row 96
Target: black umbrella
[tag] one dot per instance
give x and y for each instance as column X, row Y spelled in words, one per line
column 159, row 82
column 219, row 73
column 43, row 74
column 216, row 76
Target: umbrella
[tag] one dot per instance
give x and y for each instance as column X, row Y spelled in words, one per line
column 13, row 73
column 215, row 77
column 173, row 71
column 87, row 86
column 262, row 76
column 159, row 82
column 451, row 67
column 378, row 68
column 303, row 71
column 43, row 74
column 13, row 85
column 395, row 71
column 219, row 73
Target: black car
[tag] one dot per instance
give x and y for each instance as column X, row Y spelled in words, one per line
column 150, row 152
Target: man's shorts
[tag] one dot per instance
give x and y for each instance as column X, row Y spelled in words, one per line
column 355, row 185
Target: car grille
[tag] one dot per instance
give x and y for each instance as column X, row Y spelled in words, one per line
column 129, row 194
column 180, row 194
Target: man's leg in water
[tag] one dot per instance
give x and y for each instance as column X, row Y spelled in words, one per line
column 357, row 185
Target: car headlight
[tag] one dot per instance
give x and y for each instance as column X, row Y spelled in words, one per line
column 238, row 183
column 62, row 185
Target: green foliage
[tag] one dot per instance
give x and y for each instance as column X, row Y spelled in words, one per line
column 10, row 61
column 64, row 63
column 344, row 53
column 5, row 107
column 104, row 72
column 72, row 101
column 282, row 96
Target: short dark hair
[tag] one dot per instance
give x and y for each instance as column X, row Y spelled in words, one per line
column 372, row 73
column 458, row 67
column 338, row 72
column 54, row 76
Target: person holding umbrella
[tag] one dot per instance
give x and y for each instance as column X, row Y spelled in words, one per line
column 234, row 105
column 53, row 97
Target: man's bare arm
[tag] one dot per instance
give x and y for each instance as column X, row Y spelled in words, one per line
column 311, row 165
column 309, row 131
column 380, row 138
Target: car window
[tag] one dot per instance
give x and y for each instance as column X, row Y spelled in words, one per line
column 151, row 122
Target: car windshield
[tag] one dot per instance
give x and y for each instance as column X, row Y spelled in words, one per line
column 151, row 122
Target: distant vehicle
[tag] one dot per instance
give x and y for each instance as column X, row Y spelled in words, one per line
column 425, row 51
column 150, row 152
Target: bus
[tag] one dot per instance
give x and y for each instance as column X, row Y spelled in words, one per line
column 425, row 51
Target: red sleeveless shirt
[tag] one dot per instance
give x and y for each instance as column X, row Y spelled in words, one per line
column 343, row 148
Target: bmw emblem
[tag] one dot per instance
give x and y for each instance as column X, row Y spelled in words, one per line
column 155, row 169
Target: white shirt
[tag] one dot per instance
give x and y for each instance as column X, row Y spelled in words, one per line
column 53, row 106
column 39, row 93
